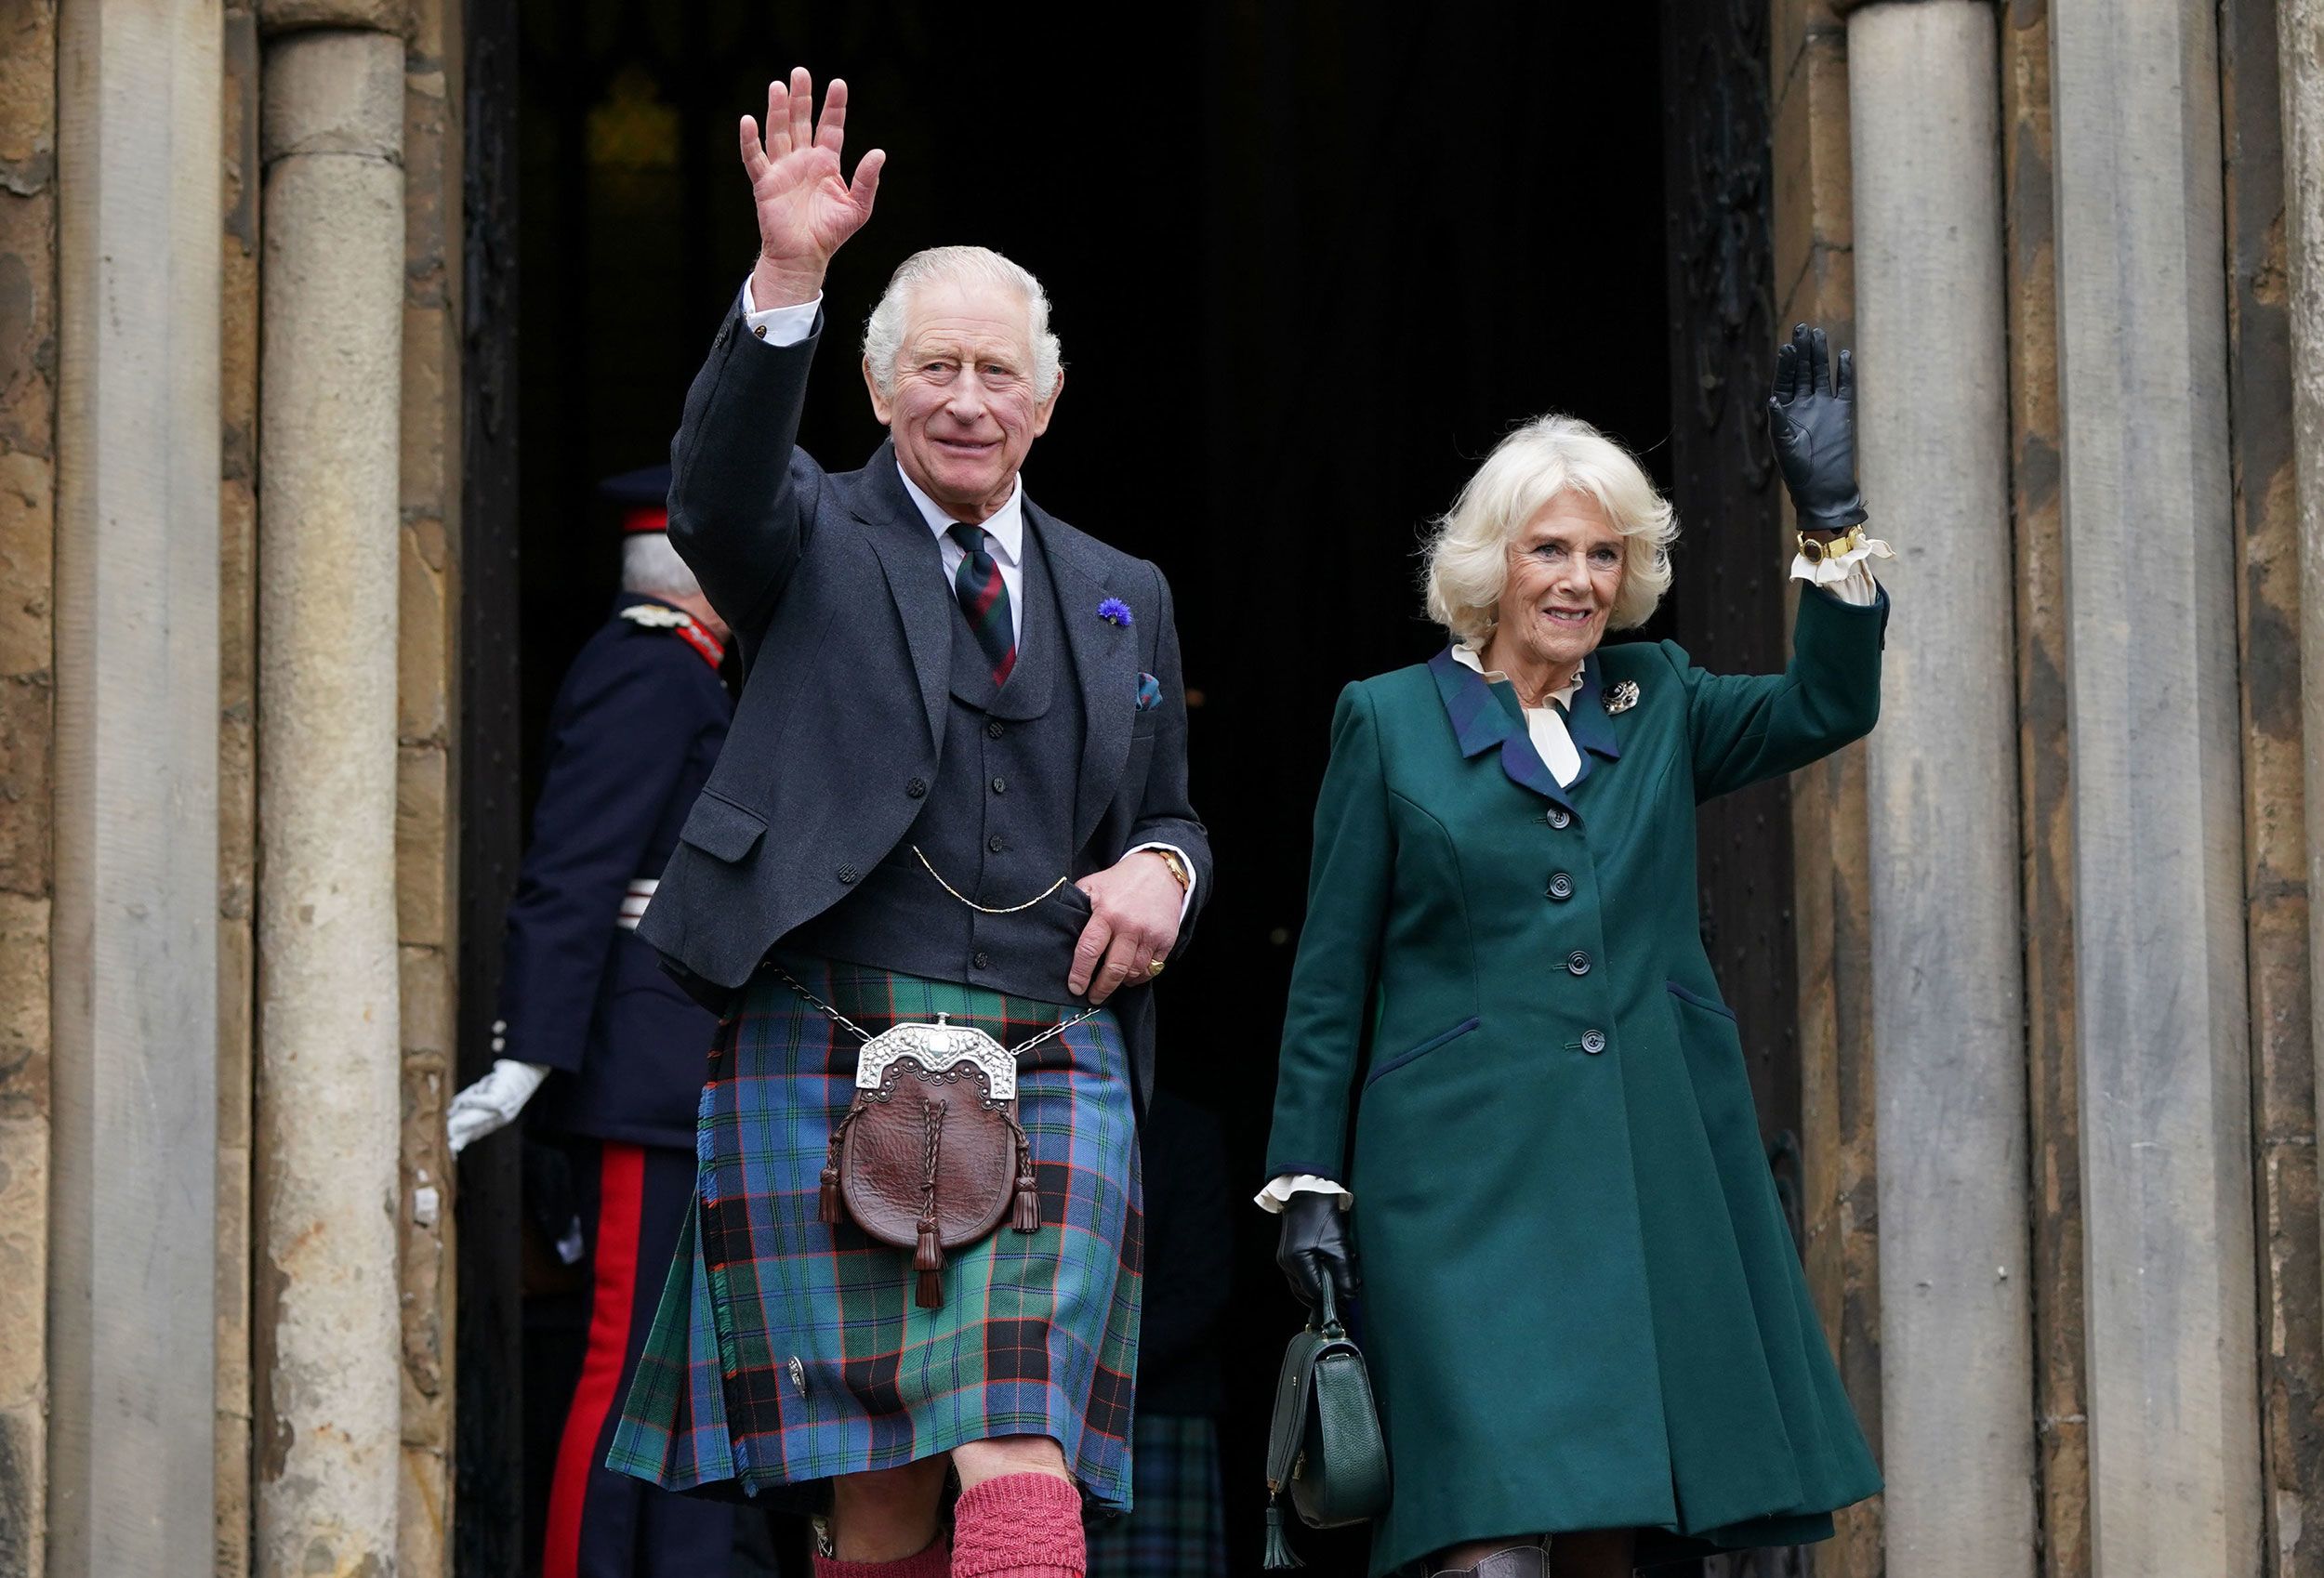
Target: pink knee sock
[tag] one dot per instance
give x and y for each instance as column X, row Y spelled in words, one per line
column 933, row 1562
column 1019, row 1526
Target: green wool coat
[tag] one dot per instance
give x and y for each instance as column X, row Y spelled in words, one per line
column 1581, row 1307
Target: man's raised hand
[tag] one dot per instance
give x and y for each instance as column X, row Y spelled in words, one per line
column 807, row 207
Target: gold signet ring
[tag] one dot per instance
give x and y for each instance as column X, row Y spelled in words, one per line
column 1155, row 968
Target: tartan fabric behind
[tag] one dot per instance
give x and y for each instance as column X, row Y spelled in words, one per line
column 1038, row 1332
column 1179, row 1530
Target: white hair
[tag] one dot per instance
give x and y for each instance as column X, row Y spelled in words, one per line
column 648, row 564
column 1467, row 554
column 885, row 329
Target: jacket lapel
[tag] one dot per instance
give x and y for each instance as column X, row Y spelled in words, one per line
column 1488, row 717
column 1587, row 721
column 915, row 570
column 1106, row 663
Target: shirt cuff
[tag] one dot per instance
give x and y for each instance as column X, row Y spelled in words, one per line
column 1847, row 576
column 1186, row 899
column 1277, row 1194
column 780, row 325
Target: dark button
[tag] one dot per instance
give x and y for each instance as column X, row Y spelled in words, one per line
column 845, row 874
column 1594, row 1042
column 1577, row 963
column 1561, row 886
column 1559, row 816
column 917, row 788
column 997, row 843
column 1001, row 786
column 994, row 730
column 983, row 961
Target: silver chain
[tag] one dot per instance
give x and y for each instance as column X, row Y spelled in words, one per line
column 865, row 1036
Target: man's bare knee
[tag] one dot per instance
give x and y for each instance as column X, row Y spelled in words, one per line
column 887, row 1514
column 980, row 1461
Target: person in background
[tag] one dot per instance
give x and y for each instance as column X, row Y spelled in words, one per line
column 589, row 1019
column 1176, row 1528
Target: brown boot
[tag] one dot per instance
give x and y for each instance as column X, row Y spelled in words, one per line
column 1517, row 1561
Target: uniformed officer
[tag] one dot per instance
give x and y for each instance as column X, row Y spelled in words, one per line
column 585, row 1006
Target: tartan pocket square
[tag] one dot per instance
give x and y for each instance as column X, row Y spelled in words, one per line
column 1149, row 692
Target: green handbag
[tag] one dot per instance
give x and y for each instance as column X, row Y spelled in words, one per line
column 1325, row 1444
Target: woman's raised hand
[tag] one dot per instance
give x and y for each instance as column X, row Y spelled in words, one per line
column 1812, row 421
column 807, row 207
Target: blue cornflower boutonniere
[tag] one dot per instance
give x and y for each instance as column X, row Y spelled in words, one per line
column 1115, row 612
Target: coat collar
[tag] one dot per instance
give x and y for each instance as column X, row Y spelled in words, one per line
column 1487, row 716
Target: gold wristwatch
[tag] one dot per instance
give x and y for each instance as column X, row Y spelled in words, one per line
column 1816, row 552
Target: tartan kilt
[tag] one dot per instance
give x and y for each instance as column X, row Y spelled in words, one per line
column 1179, row 1530
column 785, row 1352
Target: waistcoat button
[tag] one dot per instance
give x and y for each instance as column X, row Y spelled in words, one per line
column 1001, row 786
column 1561, row 887
column 1594, row 1042
column 997, row 843
column 917, row 788
column 983, row 961
column 994, row 730
column 1578, row 963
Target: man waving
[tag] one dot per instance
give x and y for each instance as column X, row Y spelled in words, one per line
column 955, row 792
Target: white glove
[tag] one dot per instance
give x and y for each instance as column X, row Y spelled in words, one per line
column 493, row 1102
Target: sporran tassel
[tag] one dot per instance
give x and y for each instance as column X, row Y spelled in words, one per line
column 1028, row 1198
column 1279, row 1555
column 828, row 1203
column 929, row 1261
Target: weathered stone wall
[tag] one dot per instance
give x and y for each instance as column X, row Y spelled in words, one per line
column 1815, row 283
column 28, row 409
column 2276, row 876
column 427, row 877
column 237, row 769
column 2045, row 811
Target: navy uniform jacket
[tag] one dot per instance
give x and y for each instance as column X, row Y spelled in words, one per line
column 632, row 736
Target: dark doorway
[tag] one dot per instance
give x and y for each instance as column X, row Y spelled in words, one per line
column 1308, row 262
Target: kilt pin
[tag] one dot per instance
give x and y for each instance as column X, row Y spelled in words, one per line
column 785, row 1350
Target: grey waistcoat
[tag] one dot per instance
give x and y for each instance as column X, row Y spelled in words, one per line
column 996, row 822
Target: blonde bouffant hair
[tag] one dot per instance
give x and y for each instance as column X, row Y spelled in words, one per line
column 1467, row 553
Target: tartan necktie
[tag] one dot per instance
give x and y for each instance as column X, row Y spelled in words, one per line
column 984, row 599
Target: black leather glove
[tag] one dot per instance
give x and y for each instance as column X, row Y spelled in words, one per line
column 1314, row 1245
column 1812, row 421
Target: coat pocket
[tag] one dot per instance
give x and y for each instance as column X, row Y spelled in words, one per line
column 1699, row 1001
column 1389, row 1067
column 722, row 829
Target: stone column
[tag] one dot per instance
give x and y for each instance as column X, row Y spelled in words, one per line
column 2155, row 753
column 1948, row 1041
column 325, row 1306
column 135, row 1002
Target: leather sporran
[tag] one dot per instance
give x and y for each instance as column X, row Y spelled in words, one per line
column 930, row 1156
